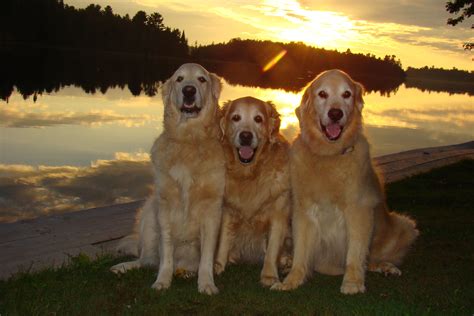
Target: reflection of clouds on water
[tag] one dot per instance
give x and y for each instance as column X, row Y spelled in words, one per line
column 11, row 117
column 27, row 191
column 387, row 140
column 459, row 121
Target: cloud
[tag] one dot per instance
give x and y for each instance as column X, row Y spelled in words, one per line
column 456, row 121
column 27, row 191
column 405, row 28
column 428, row 13
column 11, row 117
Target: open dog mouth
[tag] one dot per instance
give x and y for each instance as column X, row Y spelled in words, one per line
column 190, row 109
column 246, row 154
column 332, row 131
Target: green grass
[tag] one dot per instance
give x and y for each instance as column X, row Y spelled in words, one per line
column 438, row 274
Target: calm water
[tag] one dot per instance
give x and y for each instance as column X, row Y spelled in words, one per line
column 70, row 150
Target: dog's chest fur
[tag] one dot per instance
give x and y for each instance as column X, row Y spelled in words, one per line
column 325, row 182
column 332, row 231
column 249, row 196
column 183, row 172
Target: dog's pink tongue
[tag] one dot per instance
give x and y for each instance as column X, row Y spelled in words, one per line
column 333, row 130
column 246, row 152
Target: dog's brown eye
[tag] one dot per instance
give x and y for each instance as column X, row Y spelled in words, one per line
column 346, row 94
column 202, row 79
column 179, row 79
column 258, row 119
column 235, row 117
column 323, row 94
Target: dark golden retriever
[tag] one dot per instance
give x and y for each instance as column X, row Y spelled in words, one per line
column 257, row 195
column 340, row 219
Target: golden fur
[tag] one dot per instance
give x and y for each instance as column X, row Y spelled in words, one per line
column 257, row 195
column 182, row 219
column 340, row 219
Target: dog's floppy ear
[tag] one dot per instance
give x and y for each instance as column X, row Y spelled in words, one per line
column 305, row 100
column 223, row 121
column 216, row 85
column 274, row 121
column 166, row 91
column 359, row 92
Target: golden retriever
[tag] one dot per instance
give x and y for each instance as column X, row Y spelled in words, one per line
column 181, row 220
column 340, row 219
column 256, row 209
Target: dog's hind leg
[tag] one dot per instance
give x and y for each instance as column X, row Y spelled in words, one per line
column 147, row 244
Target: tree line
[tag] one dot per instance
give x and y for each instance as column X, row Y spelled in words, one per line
column 441, row 80
column 300, row 57
column 46, row 45
column 53, row 23
column 433, row 73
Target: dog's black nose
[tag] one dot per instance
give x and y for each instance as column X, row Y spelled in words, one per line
column 246, row 138
column 335, row 114
column 189, row 91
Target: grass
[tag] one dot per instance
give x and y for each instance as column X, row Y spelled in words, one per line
column 438, row 274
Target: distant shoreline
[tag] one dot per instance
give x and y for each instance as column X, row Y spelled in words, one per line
column 15, row 46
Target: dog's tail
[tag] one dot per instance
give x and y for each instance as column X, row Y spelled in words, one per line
column 130, row 244
column 405, row 233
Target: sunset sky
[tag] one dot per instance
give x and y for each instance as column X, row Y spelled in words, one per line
column 415, row 31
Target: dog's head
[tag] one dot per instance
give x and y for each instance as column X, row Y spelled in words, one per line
column 331, row 107
column 191, row 91
column 248, row 125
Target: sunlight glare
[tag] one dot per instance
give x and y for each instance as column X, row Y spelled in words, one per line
column 321, row 28
column 274, row 61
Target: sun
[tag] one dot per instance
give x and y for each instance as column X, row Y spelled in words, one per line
column 319, row 28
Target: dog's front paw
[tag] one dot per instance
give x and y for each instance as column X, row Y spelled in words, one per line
column 284, row 286
column 269, row 280
column 350, row 287
column 208, row 288
column 160, row 285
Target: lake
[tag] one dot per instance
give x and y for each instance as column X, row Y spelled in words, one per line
column 64, row 149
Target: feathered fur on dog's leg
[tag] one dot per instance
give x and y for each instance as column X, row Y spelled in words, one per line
column 359, row 223
column 224, row 244
column 306, row 242
column 277, row 234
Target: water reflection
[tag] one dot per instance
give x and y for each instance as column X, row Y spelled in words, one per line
column 29, row 191
column 33, row 73
column 69, row 148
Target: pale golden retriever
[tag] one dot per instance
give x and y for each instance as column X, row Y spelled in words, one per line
column 181, row 220
column 340, row 219
column 257, row 195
